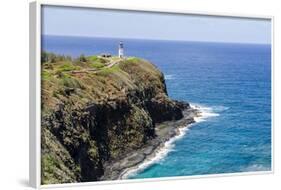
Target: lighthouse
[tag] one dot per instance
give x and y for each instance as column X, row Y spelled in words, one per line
column 121, row 50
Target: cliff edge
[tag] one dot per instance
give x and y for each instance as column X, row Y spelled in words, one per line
column 96, row 110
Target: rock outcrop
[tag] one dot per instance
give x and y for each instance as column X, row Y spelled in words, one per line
column 91, row 118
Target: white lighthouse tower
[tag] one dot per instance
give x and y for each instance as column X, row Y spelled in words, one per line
column 121, row 50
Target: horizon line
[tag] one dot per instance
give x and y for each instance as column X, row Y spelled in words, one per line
column 153, row 39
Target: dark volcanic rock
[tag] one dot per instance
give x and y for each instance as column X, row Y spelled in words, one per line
column 89, row 129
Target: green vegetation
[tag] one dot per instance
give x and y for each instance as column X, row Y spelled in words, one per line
column 82, row 58
column 93, row 151
column 132, row 60
column 97, row 65
column 71, row 82
column 49, row 164
column 46, row 75
column 56, row 163
column 93, row 58
column 52, row 58
column 71, row 149
column 89, row 78
column 68, row 66
column 107, row 71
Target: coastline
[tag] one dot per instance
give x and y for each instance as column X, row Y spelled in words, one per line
column 166, row 133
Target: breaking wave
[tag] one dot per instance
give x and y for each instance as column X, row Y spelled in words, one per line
column 161, row 153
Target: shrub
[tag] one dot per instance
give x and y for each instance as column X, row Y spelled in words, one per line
column 71, row 82
column 45, row 75
column 93, row 58
column 49, row 164
column 82, row 58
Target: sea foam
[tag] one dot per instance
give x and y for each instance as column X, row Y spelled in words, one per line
column 161, row 153
column 207, row 112
column 257, row 167
column 169, row 77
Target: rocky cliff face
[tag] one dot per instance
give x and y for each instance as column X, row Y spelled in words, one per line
column 90, row 118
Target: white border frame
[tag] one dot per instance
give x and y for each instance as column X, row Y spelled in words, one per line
column 35, row 90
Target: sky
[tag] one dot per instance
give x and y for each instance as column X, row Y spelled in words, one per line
column 69, row 21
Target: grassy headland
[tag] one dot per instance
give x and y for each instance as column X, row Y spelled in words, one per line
column 95, row 110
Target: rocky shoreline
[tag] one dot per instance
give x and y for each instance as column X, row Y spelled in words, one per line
column 118, row 169
column 99, row 125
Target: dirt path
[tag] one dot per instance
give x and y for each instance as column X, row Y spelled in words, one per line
column 95, row 70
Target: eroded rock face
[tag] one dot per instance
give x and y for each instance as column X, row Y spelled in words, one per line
column 78, row 140
column 165, row 109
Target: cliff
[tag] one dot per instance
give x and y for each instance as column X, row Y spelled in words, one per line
column 96, row 110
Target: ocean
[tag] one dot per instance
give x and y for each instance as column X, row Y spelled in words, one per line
column 230, row 83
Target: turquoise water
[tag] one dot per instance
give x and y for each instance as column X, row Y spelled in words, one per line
column 231, row 81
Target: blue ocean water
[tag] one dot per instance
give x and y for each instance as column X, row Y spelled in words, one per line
column 233, row 81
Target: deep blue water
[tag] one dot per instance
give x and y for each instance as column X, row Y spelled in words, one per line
column 232, row 80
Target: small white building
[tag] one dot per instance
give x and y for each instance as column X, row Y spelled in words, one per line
column 121, row 50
